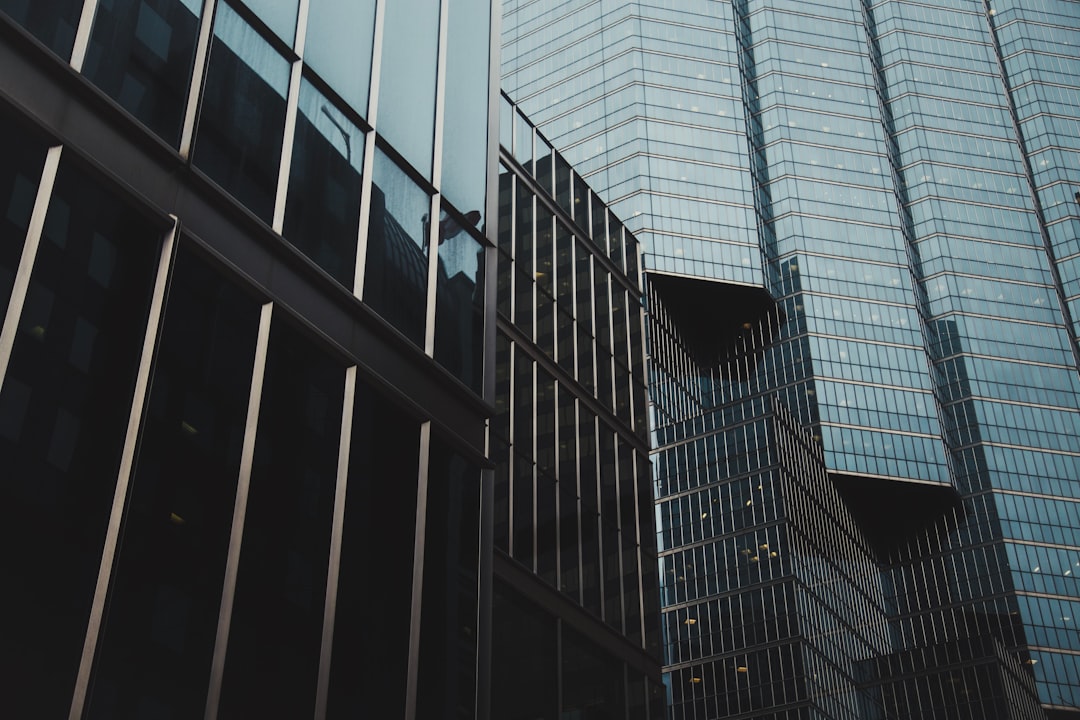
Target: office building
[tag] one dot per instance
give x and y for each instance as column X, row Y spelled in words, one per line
column 246, row 270
column 576, row 602
column 886, row 192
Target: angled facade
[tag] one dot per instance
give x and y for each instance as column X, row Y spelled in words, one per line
column 884, row 196
column 576, row 613
column 246, row 357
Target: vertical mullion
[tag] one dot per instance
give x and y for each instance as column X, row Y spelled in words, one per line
column 369, row 151
column 202, row 53
column 127, row 462
column 291, row 105
column 418, row 573
column 82, row 34
column 26, row 261
column 333, row 569
column 433, row 273
column 243, row 485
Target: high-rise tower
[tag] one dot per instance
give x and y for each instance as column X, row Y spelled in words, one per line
column 900, row 179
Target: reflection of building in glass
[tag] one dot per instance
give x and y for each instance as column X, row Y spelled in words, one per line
column 243, row 405
column 891, row 185
column 575, row 553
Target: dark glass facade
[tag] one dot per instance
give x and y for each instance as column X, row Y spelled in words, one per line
column 575, row 554
column 246, row 360
column 899, row 180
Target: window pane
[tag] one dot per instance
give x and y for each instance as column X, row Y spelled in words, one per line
column 322, row 215
column 340, row 34
column 141, row 54
column 524, row 685
column 371, row 651
column 243, row 114
column 158, row 637
column 407, row 86
column 279, row 16
column 53, row 22
column 459, row 304
column 20, row 173
column 274, row 641
column 592, row 680
column 466, row 114
column 451, row 575
column 63, row 416
column 395, row 285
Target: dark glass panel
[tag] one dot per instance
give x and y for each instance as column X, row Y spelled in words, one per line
column 631, row 247
column 564, row 330
column 581, row 203
column 615, row 241
column 407, row 84
column 599, row 228
column 609, row 527
column 545, row 164
column 562, row 183
column 243, row 114
column 545, row 250
column 506, row 204
column 585, row 359
column 592, row 681
column 53, row 22
column 523, row 510
column 547, row 535
column 524, row 685
column 545, row 422
column 158, row 638
column 500, row 455
column 564, row 262
column 447, row 672
column 545, row 323
column 500, row 424
column 628, row 523
column 459, row 302
column 524, row 235
column 371, row 639
column 583, row 268
column 322, row 214
column 20, row 173
column 465, row 116
column 63, row 416
column 395, row 284
column 568, row 495
column 524, row 304
column 141, row 54
column 340, row 34
column 523, row 142
column 590, row 511
column 274, row 640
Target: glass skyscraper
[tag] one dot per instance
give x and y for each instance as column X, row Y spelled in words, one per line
column 900, row 178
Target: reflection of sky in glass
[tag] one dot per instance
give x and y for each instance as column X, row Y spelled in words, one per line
column 406, row 203
column 279, row 15
column 332, row 124
column 194, row 6
column 252, row 50
column 338, row 46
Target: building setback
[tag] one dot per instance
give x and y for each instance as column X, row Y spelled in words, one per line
column 883, row 195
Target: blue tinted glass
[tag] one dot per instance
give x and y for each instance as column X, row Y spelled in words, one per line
column 53, row 22
column 338, row 46
column 279, row 16
column 407, row 86
column 465, row 117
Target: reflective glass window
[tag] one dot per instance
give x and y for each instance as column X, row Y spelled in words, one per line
column 243, row 114
column 338, row 47
column 141, row 54
column 465, row 117
column 279, row 16
column 158, row 638
column 276, row 628
column 53, row 22
column 322, row 214
column 459, row 302
column 407, row 85
column 24, row 156
column 371, row 653
column 447, row 684
column 64, row 410
column 396, row 271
